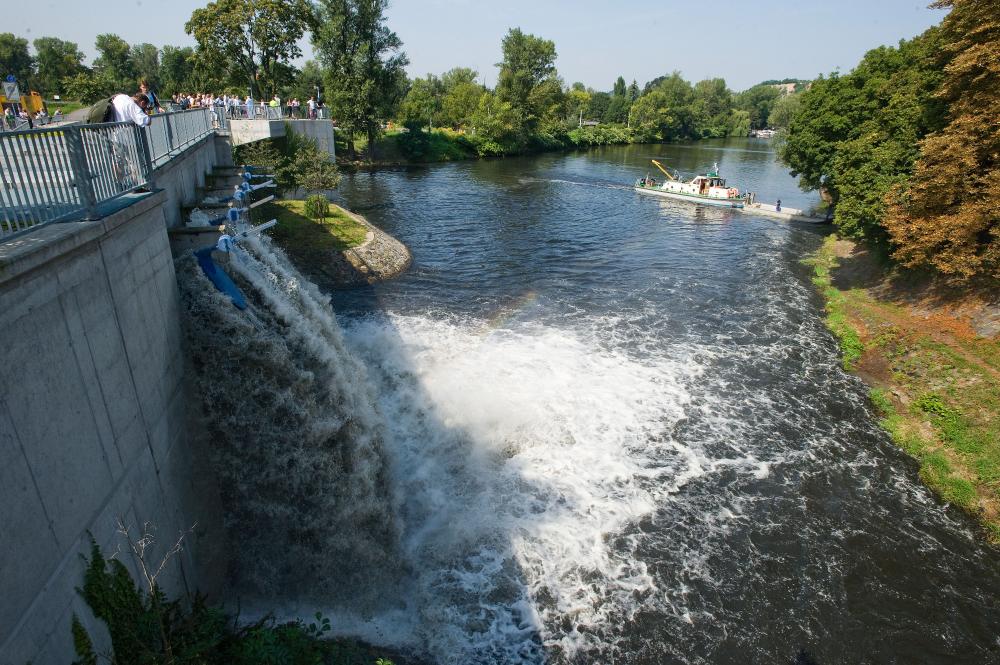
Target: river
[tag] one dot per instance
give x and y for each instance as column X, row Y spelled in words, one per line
column 617, row 431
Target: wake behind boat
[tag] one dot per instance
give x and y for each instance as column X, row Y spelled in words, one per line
column 709, row 189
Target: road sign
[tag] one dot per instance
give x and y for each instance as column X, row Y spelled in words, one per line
column 11, row 92
column 10, row 78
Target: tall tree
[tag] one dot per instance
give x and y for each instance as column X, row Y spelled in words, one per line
column 176, row 65
column 250, row 42
column 114, row 64
column 146, row 63
column 14, row 58
column 633, row 91
column 364, row 64
column 528, row 80
column 619, row 89
column 57, row 60
column 946, row 216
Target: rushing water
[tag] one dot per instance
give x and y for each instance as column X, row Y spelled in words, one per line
column 613, row 429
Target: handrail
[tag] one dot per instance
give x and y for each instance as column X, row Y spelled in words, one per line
column 58, row 173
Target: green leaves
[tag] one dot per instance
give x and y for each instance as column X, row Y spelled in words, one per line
column 252, row 43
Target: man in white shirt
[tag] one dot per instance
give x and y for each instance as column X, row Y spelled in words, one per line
column 131, row 108
column 124, row 151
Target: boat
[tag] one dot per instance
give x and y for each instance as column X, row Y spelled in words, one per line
column 709, row 188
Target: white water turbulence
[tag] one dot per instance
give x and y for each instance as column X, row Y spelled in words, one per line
column 518, row 457
column 295, row 440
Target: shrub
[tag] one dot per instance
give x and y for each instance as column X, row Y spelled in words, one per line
column 317, row 207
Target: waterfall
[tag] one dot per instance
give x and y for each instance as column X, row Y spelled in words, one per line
column 455, row 487
column 295, row 439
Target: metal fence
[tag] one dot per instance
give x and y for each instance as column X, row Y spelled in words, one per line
column 58, row 173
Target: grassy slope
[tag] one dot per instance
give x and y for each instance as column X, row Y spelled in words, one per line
column 935, row 384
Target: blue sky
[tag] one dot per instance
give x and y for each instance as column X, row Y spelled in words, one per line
column 743, row 42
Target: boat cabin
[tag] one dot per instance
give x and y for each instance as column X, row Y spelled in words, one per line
column 706, row 182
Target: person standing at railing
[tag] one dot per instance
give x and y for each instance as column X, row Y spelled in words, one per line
column 131, row 108
column 154, row 101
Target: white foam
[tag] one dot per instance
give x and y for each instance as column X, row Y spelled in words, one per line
column 516, row 455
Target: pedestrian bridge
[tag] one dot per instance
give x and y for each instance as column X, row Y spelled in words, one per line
column 74, row 172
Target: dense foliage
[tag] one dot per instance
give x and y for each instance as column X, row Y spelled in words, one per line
column 907, row 144
column 363, row 63
column 946, row 216
column 251, row 43
column 147, row 628
column 855, row 136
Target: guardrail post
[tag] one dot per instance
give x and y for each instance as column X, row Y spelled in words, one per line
column 81, row 172
column 147, row 156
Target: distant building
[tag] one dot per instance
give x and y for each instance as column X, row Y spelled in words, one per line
column 589, row 123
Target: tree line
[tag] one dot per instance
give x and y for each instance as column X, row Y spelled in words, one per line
column 907, row 145
column 358, row 67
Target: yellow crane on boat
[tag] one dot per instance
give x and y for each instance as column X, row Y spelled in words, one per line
column 665, row 171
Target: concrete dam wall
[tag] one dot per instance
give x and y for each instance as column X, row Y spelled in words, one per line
column 93, row 418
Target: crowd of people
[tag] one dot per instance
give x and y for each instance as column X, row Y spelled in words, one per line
column 12, row 120
column 246, row 107
column 232, row 106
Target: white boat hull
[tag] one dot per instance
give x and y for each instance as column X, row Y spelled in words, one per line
column 692, row 198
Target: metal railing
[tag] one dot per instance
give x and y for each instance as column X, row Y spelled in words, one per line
column 66, row 172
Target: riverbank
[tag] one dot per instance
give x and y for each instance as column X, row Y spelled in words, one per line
column 342, row 250
column 931, row 356
column 404, row 147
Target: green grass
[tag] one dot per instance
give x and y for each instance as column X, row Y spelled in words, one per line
column 939, row 401
column 65, row 105
column 300, row 234
column 851, row 346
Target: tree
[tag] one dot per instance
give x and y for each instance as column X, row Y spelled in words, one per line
column 598, row 107
column 783, row 110
column 14, row 58
column 57, row 60
column 758, row 101
column 679, row 96
column 364, row 64
column 113, row 65
column 946, row 216
column 88, row 87
column 499, row 126
column 577, row 100
column 310, row 167
column 422, row 103
column 309, row 78
column 619, row 89
column 146, row 64
column 528, row 80
column 458, row 76
column 460, row 103
column 250, row 43
column 617, row 110
column 856, row 136
column 633, row 91
column 652, row 116
column 711, row 106
column 176, row 65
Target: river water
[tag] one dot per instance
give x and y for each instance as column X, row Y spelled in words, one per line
column 617, row 431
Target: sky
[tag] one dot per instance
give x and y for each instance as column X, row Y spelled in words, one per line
column 596, row 41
